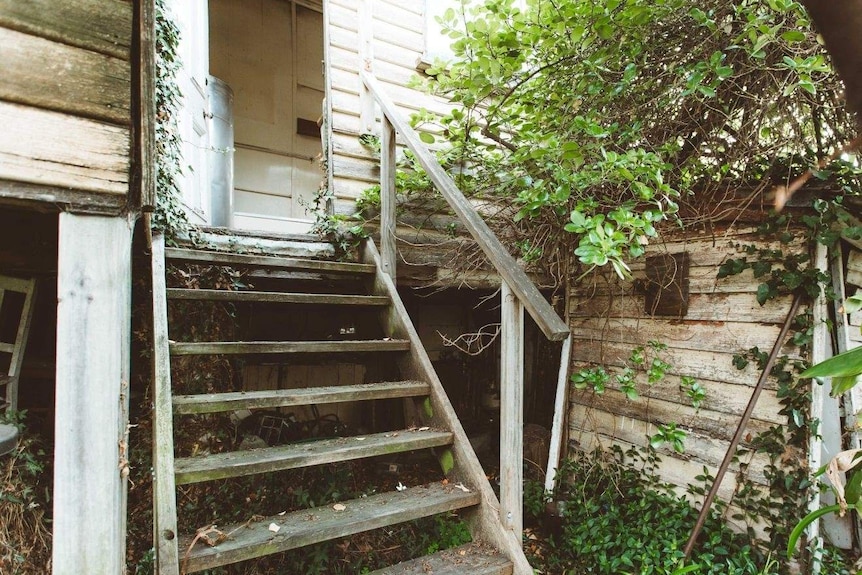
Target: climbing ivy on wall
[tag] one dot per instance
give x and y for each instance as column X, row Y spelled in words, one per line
column 169, row 215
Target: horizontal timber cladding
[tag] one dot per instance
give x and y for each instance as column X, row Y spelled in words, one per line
column 608, row 318
column 398, row 44
column 65, row 102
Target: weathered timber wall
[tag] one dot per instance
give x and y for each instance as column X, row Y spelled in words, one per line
column 608, row 320
column 397, row 45
column 65, row 102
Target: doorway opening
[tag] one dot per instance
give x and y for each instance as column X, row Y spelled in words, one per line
column 270, row 54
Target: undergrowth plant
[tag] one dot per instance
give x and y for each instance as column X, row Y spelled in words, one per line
column 620, row 519
column 25, row 534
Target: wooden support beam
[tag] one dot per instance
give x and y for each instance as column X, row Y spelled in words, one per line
column 511, row 411
column 164, row 483
column 93, row 326
column 560, row 404
column 388, row 250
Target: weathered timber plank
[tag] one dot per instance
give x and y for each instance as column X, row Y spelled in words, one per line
column 702, row 279
column 164, row 486
column 144, row 85
column 560, row 402
column 854, row 268
column 181, row 254
column 251, row 347
column 698, row 447
column 219, row 402
column 63, row 78
column 511, row 411
column 270, row 459
column 103, row 26
column 319, row 524
column 729, row 337
column 473, row 558
column 714, row 366
column 54, row 149
column 712, row 423
column 541, row 311
column 702, row 307
column 721, row 396
column 275, row 297
column 92, row 375
column 36, row 196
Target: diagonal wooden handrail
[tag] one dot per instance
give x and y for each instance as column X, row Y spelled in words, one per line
column 537, row 306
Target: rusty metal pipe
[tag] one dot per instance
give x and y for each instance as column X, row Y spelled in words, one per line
column 746, row 416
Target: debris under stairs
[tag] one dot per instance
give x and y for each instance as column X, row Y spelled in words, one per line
column 367, row 290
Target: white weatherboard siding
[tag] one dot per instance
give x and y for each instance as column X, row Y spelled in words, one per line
column 608, row 320
column 397, row 46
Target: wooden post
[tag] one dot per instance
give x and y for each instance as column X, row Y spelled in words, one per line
column 164, row 484
column 511, row 411
column 366, row 60
column 388, row 250
column 93, row 326
column 560, row 404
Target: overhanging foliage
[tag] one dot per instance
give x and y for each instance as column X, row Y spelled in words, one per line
column 605, row 117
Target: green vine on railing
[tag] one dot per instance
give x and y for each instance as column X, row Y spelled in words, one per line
column 169, row 215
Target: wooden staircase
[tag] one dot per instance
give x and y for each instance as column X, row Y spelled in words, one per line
column 495, row 550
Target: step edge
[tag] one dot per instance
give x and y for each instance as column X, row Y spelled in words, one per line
column 262, row 399
column 188, row 470
column 204, row 557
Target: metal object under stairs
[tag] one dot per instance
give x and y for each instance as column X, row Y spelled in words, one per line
column 495, row 550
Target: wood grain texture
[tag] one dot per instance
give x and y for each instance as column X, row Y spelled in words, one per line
column 388, row 167
column 93, row 328
column 511, row 411
column 145, row 112
column 54, row 149
column 557, row 424
column 275, row 297
column 252, row 347
column 473, row 558
column 104, row 26
column 164, row 485
column 226, row 258
column 306, row 454
column 309, row 526
column 46, row 74
column 269, row 399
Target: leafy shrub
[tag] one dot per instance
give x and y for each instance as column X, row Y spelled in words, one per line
column 620, row 519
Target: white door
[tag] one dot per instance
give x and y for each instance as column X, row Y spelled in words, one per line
column 270, row 53
column 191, row 18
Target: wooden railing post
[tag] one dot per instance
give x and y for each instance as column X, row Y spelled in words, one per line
column 511, row 410
column 388, row 251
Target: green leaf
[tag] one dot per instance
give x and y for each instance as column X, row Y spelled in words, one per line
column 763, row 292
column 793, row 36
column 853, row 304
column 806, row 521
column 842, row 384
column 426, row 137
column 844, row 364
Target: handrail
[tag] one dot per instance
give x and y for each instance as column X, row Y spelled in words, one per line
column 554, row 328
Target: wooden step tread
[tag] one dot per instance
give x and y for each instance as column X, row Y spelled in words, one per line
column 251, row 347
column 310, row 526
column 275, row 297
column 473, row 558
column 306, row 454
column 227, row 258
column 270, row 399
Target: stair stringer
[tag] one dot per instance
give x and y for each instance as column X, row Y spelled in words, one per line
column 484, row 521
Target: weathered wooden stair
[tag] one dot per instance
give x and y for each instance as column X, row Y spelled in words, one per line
column 496, row 550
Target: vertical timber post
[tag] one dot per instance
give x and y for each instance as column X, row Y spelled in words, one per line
column 94, row 278
column 388, row 250
column 511, row 411
column 366, row 61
